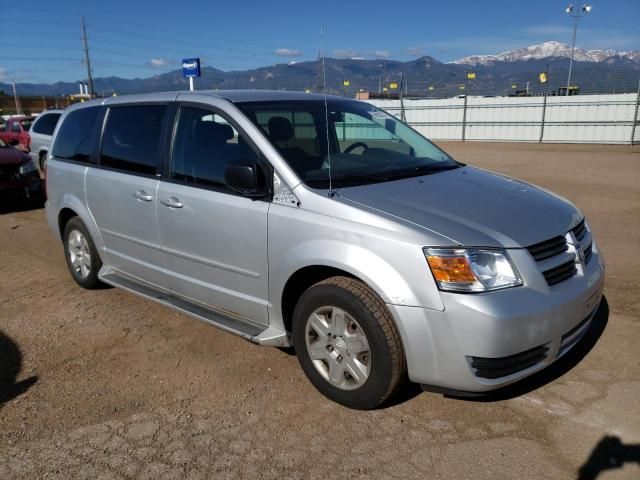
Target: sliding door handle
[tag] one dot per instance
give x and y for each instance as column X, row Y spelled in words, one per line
column 142, row 195
column 171, row 202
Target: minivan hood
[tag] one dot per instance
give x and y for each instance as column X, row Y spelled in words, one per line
column 471, row 207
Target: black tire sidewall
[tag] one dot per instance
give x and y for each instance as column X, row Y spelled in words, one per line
column 42, row 160
column 376, row 388
column 90, row 281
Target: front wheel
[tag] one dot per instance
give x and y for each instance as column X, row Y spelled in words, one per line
column 347, row 343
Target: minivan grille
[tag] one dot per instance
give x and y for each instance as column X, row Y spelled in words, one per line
column 561, row 272
column 557, row 263
column 501, row 367
column 587, row 253
column 580, row 230
column 548, row 248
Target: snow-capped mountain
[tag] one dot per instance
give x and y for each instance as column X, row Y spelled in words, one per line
column 546, row 50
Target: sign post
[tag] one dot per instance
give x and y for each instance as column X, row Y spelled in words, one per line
column 190, row 69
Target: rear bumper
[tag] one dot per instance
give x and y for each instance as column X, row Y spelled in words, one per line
column 483, row 342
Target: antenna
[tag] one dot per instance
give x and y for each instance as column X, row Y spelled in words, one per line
column 326, row 110
column 87, row 60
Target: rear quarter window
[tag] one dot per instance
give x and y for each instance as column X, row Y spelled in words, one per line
column 46, row 123
column 73, row 141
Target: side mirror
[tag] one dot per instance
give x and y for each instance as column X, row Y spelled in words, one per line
column 243, row 176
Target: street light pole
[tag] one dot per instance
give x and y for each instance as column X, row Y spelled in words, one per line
column 576, row 15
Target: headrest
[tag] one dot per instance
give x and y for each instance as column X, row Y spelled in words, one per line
column 280, row 129
column 212, row 132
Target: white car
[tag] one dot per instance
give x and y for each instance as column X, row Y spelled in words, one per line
column 41, row 131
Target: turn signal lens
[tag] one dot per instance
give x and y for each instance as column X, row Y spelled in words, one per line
column 451, row 269
column 472, row 270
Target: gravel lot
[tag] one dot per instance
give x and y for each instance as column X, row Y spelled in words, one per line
column 103, row 384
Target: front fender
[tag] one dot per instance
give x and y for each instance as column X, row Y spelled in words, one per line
column 359, row 262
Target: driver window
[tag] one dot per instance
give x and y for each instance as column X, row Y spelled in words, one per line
column 205, row 143
column 356, row 134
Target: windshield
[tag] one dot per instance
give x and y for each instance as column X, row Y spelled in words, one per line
column 363, row 144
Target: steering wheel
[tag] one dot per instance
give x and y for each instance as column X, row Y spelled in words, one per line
column 353, row 146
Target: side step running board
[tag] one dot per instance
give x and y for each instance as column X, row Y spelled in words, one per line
column 252, row 331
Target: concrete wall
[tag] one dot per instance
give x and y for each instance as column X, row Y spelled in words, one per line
column 579, row 119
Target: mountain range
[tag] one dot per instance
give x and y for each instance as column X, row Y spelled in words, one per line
column 548, row 50
column 594, row 71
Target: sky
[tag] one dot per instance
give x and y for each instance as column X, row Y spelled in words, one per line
column 40, row 41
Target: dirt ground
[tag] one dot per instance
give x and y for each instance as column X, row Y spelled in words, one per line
column 105, row 385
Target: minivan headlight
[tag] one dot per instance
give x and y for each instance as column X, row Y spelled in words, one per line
column 27, row 167
column 472, row 270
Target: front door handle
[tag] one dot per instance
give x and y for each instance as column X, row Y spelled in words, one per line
column 171, row 202
column 142, row 195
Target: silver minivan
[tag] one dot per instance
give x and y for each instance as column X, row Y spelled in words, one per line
column 325, row 224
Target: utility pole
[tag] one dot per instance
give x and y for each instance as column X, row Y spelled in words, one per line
column 15, row 98
column 576, row 15
column 87, row 60
column 402, row 114
column 544, row 104
column 464, row 112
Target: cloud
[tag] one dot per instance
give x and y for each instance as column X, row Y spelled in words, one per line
column 288, row 52
column 3, row 74
column 345, row 53
column 158, row 62
column 382, row 53
column 415, row 51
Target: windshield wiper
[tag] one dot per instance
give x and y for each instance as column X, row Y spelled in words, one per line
column 351, row 177
column 357, row 177
column 422, row 170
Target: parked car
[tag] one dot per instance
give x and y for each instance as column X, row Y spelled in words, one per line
column 41, row 131
column 16, row 132
column 326, row 224
column 18, row 175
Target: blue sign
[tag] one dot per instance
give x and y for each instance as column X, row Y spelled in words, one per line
column 190, row 67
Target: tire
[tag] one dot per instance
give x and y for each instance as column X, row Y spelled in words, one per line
column 355, row 372
column 42, row 159
column 83, row 260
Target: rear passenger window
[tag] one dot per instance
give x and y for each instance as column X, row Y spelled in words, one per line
column 204, row 145
column 131, row 138
column 46, row 123
column 73, row 141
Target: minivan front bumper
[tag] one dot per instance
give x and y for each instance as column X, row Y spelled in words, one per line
column 481, row 342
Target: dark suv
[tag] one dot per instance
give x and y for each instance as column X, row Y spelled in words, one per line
column 19, row 177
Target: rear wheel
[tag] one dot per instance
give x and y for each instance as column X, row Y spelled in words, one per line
column 81, row 254
column 42, row 160
column 348, row 344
